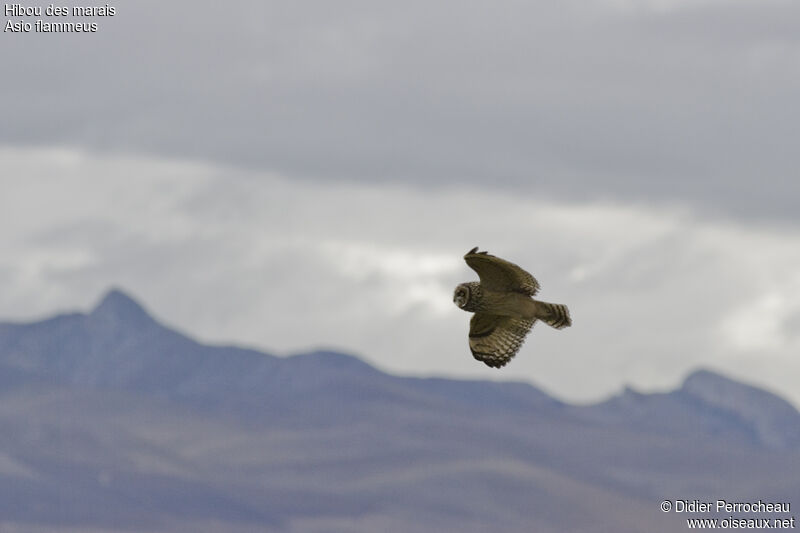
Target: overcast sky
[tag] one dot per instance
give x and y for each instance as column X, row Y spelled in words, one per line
column 301, row 175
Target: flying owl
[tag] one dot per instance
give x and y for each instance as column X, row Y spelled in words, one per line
column 504, row 308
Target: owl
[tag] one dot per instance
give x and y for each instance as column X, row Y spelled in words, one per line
column 504, row 308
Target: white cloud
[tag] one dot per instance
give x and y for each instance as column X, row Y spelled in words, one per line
column 231, row 255
column 410, row 277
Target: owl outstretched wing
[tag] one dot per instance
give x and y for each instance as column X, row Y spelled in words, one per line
column 500, row 275
column 495, row 339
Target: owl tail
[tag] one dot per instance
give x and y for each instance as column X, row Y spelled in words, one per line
column 555, row 315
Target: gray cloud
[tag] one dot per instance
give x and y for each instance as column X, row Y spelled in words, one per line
column 688, row 102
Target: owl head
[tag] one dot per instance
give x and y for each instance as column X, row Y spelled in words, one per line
column 466, row 295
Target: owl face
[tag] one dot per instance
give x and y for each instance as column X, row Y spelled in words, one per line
column 461, row 296
column 466, row 296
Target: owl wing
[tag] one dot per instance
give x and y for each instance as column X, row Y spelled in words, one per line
column 495, row 339
column 500, row 275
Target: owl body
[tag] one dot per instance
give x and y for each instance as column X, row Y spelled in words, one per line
column 512, row 304
column 504, row 308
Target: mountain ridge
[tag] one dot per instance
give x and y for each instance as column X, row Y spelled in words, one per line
column 114, row 422
column 118, row 344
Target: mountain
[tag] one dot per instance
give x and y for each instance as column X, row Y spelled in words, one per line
column 114, row 422
column 710, row 403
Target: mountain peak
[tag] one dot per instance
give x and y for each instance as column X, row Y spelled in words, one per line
column 119, row 307
column 711, row 386
column 776, row 422
column 706, row 377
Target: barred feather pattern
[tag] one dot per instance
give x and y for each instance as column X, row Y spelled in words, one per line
column 495, row 340
column 555, row 315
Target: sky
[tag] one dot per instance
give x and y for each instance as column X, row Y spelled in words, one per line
column 293, row 176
